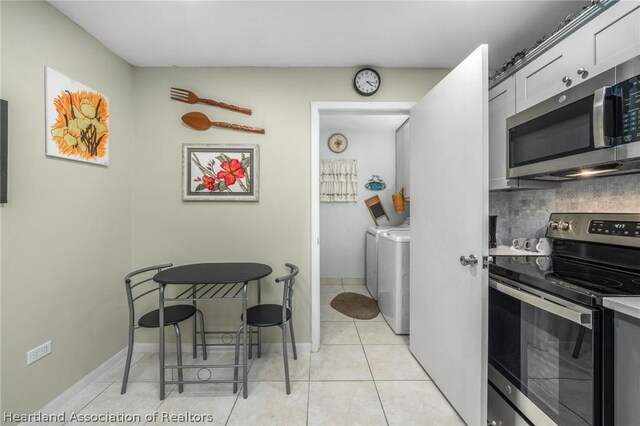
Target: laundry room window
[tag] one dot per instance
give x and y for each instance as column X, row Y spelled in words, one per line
column 338, row 181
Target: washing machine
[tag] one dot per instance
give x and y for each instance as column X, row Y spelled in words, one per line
column 393, row 279
column 371, row 253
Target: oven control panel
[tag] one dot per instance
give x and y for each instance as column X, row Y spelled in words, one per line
column 607, row 228
column 616, row 228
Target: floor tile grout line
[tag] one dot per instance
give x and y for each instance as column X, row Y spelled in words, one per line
column 233, row 407
column 362, row 347
column 92, row 399
column 373, row 378
column 309, row 388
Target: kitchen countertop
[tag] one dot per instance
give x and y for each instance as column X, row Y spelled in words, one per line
column 510, row 251
column 626, row 305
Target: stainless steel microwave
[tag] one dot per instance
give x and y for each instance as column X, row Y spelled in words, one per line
column 592, row 129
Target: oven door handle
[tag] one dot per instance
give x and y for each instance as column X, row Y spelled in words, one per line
column 583, row 318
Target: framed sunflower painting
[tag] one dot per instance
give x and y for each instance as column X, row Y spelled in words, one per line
column 77, row 120
column 214, row 172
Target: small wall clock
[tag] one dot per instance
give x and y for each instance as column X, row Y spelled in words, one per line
column 337, row 143
column 366, row 81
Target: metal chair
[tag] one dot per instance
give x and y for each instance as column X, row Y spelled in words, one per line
column 173, row 315
column 268, row 315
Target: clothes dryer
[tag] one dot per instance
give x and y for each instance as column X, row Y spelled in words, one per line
column 393, row 279
column 371, row 253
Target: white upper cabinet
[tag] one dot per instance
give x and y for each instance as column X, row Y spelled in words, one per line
column 545, row 76
column 613, row 38
column 602, row 43
column 502, row 104
column 402, row 159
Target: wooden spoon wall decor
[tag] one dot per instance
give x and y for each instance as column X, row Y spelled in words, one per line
column 199, row 121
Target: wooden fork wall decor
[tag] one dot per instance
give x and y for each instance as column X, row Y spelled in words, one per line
column 187, row 96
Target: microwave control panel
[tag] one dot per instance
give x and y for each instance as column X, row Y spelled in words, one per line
column 630, row 91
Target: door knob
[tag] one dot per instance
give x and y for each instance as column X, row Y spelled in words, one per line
column 566, row 80
column 469, row 260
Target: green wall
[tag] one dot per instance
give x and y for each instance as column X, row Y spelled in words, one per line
column 66, row 230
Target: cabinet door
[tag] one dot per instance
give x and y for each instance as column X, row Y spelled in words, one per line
column 402, row 159
column 502, row 104
column 609, row 39
column 543, row 77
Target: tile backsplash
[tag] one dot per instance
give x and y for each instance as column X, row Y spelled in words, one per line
column 525, row 213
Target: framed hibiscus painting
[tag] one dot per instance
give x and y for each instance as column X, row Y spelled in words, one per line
column 77, row 120
column 220, row 172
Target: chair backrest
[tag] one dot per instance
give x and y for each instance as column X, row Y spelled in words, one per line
column 287, row 292
column 133, row 284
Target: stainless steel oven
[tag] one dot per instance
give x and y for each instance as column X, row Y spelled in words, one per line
column 590, row 129
column 544, row 354
column 551, row 344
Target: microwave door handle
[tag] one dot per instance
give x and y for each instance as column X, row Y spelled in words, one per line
column 582, row 318
column 599, row 138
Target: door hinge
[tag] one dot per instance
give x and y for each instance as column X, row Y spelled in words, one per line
column 486, row 260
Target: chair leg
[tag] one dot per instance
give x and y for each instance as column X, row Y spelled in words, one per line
column 127, row 365
column 202, row 334
column 236, row 361
column 250, row 330
column 285, row 356
column 293, row 338
column 259, row 342
column 179, row 356
column 194, row 337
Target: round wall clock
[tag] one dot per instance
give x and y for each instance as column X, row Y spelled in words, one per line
column 337, row 143
column 367, row 81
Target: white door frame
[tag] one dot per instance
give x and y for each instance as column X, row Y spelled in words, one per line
column 317, row 108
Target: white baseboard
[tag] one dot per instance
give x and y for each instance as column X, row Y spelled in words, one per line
column 77, row 387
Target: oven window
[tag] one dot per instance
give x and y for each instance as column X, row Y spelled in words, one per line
column 548, row 358
column 565, row 131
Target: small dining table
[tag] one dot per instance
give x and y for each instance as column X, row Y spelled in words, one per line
column 209, row 282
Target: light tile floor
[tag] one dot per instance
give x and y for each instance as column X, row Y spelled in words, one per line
column 363, row 374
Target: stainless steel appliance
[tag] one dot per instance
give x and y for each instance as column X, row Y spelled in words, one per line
column 550, row 339
column 590, row 129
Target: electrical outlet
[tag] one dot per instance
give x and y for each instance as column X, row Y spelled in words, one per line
column 36, row 353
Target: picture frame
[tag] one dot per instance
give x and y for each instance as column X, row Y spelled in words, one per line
column 77, row 120
column 220, row 172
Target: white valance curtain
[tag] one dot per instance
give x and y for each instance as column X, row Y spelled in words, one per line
column 338, row 181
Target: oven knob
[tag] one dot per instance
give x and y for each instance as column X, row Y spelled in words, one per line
column 553, row 225
column 564, row 226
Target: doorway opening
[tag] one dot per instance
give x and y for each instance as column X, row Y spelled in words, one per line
column 341, row 257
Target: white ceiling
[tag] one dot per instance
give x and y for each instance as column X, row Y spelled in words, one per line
column 325, row 33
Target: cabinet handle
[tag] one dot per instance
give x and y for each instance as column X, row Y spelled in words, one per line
column 566, row 80
column 583, row 72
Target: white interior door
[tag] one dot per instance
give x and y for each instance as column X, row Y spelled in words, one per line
column 449, row 209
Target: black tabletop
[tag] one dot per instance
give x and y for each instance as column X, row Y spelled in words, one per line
column 213, row 273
